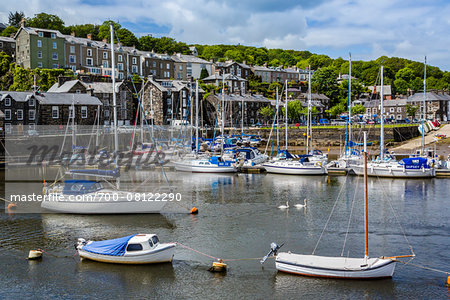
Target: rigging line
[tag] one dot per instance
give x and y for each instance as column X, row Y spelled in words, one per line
column 395, row 216
column 273, row 124
column 331, row 213
column 351, row 214
column 420, row 266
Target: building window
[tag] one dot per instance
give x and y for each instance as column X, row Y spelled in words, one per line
column 55, row 55
column 55, row 45
column 72, row 59
column 120, row 75
column 71, row 112
column 53, row 35
column 55, row 112
column 391, row 110
column 39, row 54
column 119, row 58
column 154, row 64
column 7, row 114
column 72, row 49
column 39, row 64
column 73, row 68
column 55, row 66
column 1, row 44
column 146, row 63
column 123, row 114
column 120, row 66
column 39, row 43
column 7, row 101
column 89, row 52
column 84, row 112
column 31, row 115
column 399, row 109
column 160, row 65
column 89, row 61
column 8, row 127
column 399, row 117
column 40, row 34
column 134, row 60
column 20, row 114
column 31, row 102
column 181, row 68
column 134, row 69
column 106, row 113
column 105, row 55
column 105, row 64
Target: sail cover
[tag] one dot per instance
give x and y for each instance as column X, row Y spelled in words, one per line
column 415, row 163
column 115, row 247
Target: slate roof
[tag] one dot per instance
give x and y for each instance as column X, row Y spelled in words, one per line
column 191, row 59
column 227, row 77
column 67, row 99
column 65, row 88
column 386, row 89
column 34, row 31
column 7, row 39
column 430, row 96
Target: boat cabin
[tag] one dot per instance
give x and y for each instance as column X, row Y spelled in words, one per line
column 81, row 187
column 142, row 242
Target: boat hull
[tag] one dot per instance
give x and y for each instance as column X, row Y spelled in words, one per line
column 394, row 172
column 118, row 203
column 335, row 267
column 162, row 254
column 186, row 167
column 303, row 170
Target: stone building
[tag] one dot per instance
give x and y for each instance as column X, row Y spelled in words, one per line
column 233, row 84
column 8, row 45
column 437, row 105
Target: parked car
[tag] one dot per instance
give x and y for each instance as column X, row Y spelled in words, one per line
column 370, row 122
column 324, row 121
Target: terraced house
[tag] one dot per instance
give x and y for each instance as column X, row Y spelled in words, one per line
column 39, row 48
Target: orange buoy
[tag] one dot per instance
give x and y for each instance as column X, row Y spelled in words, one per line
column 448, row 281
column 194, row 211
column 218, row 266
column 12, row 206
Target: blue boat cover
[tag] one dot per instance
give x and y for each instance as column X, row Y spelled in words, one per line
column 115, row 247
column 415, row 163
column 80, row 187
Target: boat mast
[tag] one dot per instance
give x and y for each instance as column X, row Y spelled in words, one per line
column 276, row 117
column 192, row 109
column 113, row 75
column 286, row 108
column 366, row 218
column 422, row 146
column 223, row 104
column 348, row 136
column 382, row 117
column 309, row 124
column 196, row 116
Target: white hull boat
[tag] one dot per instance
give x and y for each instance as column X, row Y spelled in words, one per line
column 335, row 267
column 292, row 167
column 135, row 249
column 205, row 166
column 393, row 171
column 88, row 197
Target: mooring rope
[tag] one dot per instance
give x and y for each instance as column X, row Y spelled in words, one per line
column 422, row 267
column 217, row 258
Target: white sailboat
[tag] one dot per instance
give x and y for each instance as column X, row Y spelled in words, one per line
column 417, row 167
column 288, row 166
column 337, row 267
column 90, row 197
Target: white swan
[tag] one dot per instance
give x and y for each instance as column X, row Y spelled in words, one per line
column 301, row 205
column 284, row 206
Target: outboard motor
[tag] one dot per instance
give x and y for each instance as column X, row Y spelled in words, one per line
column 273, row 251
column 80, row 243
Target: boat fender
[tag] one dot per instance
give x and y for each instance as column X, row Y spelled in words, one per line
column 34, row 254
column 318, row 164
column 12, row 206
column 194, row 211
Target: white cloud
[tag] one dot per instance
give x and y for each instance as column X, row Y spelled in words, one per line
column 368, row 29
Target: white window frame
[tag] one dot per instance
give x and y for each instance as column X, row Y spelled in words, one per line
column 72, row 49
column 134, row 60
column 53, row 35
column 168, row 66
column 8, row 127
column 119, row 58
column 89, row 60
column 120, row 66
column 55, row 66
column 84, row 112
column 39, row 64
column 31, row 102
column 39, row 54
column 7, row 114
column 7, row 101
column 134, row 69
column 55, row 55
column 55, row 112
column 391, row 109
column 55, row 45
column 40, row 34
column 106, row 113
column 20, row 114
column 399, row 109
column 72, row 112
column 72, row 59
column 31, row 115
column 39, row 43
column 105, row 55
column 89, row 52
column 105, row 64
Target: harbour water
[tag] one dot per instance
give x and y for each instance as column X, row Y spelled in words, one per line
column 238, row 218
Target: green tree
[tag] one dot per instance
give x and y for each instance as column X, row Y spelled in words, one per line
column 22, row 79
column 105, row 33
column 266, row 112
column 324, row 81
column 83, row 30
column 9, row 31
column 358, row 109
column 401, row 86
column 203, row 74
column 337, row 109
column 15, row 18
column 319, row 61
column 127, row 38
column 406, row 74
column 5, row 61
column 46, row 21
column 411, row 110
column 295, row 110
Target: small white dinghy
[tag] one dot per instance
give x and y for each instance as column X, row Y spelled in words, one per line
column 133, row 249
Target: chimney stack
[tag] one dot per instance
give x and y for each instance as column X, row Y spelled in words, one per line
column 89, row 36
column 22, row 22
column 72, row 33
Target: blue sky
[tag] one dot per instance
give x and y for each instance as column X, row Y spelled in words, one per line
column 367, row 29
